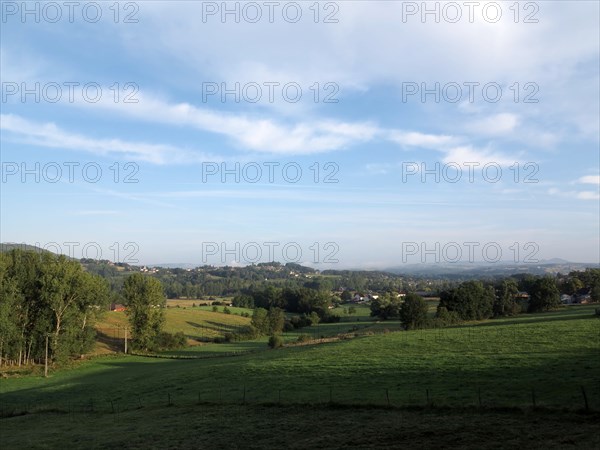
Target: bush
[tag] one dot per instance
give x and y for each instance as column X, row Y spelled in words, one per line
column 301, row 321
column 215, row 309
column 275, row 342
column 304, row 338
column 330, row 318
column 445, row 317
column 287, row 326
column 226, row 310
column 169, row 341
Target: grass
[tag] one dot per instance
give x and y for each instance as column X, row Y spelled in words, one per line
column 290, row 427
column 197, row 324
column 496, row 365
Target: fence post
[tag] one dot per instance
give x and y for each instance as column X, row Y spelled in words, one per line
column 387, row 396
column 585, row 399
column 46, row 360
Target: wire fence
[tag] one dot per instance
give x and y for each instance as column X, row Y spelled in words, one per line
column 392, row 397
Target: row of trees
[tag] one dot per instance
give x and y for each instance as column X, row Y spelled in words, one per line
column 50, row 298
column 45, row 296
column 303, row 300
column 472, row 300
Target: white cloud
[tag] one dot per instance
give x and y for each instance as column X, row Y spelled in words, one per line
column 468, row 154
column 415, row 139
column 496, row 125
column 588, row 195
column 50, row 135
column 580, row 195
column 590, row 179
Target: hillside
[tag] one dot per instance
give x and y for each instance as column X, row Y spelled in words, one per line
column 487, row 374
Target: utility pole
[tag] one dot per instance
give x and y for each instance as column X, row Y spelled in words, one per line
column 125, row 340
column 46, row 360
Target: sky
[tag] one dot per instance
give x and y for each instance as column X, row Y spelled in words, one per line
column 347, row 134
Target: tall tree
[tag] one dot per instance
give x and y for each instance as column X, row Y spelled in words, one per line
column 471, row 300
column 145, row 301
column 413, row 311
column 504, row 303
column 543, row 295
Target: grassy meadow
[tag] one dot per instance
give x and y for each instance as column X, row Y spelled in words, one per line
column 506, row 372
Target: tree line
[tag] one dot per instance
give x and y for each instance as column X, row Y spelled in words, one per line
column 477, row 300
column 47, row 297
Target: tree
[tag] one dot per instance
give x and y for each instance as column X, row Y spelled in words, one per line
column 543, row 295
column 145, row 302
column 413, row 311
column 260, row 320
column 276, row 318
column 595, row 293
column 42, row 294
column 505, row 303
column 471, row 300
column 346, row 295
column 386, row 306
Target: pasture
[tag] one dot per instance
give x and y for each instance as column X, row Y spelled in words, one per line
column 498, row 375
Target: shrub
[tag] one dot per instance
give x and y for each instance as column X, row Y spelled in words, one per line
column 275, row 341
column 215, row 309
column 301, row 321
column 445, row 317
column 226, row 310
column 169, row 341
column 330, row 318
column 304, row 338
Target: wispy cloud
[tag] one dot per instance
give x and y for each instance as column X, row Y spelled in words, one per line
column 590, row 179
column 50, row 135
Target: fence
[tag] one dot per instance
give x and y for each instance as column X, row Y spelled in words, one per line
column 395, row 397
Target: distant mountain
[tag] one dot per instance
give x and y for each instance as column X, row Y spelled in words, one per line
column 174, row 265
column 483, row 269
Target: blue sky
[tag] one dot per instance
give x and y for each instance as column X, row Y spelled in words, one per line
column 517, row 96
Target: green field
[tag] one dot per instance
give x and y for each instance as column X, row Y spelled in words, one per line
column 490, row 374
column 197, row 324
